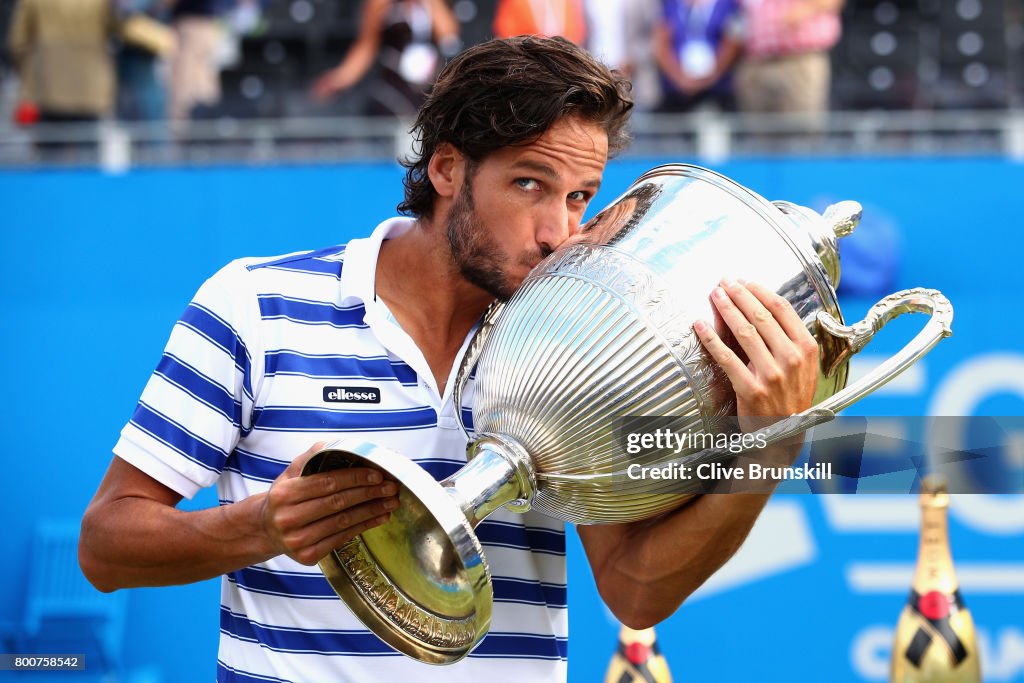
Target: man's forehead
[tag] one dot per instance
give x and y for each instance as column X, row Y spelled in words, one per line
column 568, row 147
column 543, row 168
column 576, row 133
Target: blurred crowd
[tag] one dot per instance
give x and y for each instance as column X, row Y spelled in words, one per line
column 139, row 60
column 755, row 55
column 149, row 60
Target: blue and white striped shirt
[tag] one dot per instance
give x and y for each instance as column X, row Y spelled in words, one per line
column 239, row 392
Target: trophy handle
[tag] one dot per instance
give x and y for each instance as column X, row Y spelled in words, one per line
column 852, row 339
column 856, row 336
column 476, row 346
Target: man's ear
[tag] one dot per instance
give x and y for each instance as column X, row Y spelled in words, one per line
column 446, row 170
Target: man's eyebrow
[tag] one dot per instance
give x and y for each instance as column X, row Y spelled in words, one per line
column 549, row 172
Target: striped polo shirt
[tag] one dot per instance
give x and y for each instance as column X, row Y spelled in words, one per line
column 249, row 380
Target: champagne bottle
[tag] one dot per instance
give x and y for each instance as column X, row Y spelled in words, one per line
column 638, row 659
column 935, row 639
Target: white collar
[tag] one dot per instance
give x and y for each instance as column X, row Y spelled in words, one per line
column 359, row 273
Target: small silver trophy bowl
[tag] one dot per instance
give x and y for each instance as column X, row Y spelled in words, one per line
column 601, row 331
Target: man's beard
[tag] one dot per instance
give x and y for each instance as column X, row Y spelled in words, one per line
column 474, row 253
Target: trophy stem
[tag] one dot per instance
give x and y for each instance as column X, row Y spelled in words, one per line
column 498, row 473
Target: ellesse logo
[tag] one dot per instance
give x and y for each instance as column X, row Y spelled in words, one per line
column 351, row 395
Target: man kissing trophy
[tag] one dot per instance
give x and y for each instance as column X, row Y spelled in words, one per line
column 601, row 332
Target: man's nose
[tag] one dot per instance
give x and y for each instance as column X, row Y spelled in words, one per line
column 557, row 223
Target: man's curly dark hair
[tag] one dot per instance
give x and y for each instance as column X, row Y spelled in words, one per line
column 509, row 92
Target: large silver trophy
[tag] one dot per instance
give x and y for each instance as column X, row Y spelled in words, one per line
column 601, row 331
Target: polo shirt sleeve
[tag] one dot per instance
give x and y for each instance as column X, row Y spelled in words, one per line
column 198, row 402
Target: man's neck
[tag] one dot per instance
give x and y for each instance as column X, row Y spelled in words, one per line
column 431, row 300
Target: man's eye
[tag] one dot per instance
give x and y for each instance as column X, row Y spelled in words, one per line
column 580, row 196
column 527, row 183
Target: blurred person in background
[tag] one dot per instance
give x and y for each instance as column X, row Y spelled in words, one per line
column 564, row 18
column 785, row 66
column 62, row 49
column 195, row 67
column 146, row 42
column 411, row 39
column 619, row 34
column 697, row 43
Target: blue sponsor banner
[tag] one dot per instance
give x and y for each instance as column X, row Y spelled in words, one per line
column 98, row 268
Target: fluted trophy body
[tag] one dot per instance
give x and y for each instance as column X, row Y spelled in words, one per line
column 599, row 333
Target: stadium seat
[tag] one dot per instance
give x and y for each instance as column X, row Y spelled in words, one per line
column 925, row 54
column 61, row 606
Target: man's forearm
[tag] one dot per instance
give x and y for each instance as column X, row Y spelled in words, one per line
column 655, row 565
column 645, row 570
column 134, row 542
column 134, row 535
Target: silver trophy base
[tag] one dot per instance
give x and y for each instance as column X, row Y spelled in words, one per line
column 421, row 582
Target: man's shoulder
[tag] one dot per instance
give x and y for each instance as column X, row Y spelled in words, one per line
column 307, row 275
column 339, row 276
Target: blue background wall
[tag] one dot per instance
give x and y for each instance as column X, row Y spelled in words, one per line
column 96, row 269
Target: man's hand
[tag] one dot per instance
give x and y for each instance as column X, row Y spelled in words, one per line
column 308, row 517
column 645, row 569
column 781, row 372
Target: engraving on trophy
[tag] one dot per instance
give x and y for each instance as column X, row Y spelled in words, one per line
column 602, row 266
column 390, row 603
column 366, row 576
column 628, row 287
column 681, row 340
column 569, row 261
